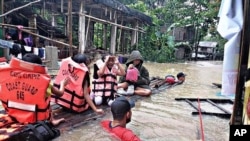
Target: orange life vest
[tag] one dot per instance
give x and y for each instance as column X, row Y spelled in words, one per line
column 23, row 88
column 73, row 97
column 107, row 84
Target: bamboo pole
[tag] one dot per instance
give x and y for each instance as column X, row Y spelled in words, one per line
column 118, row 25
column 61, row 6
column 105, row 21
column 133, row 36
column 104, row 37
column 81, row 29
column 44, row 7
column 87, row 32
column 13, row 10
column 137, row 34
column 34, row 34
column 113, row 36
column 14, row 26
column 119, row 37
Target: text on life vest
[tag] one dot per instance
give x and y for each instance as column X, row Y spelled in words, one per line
column 72, row 74
column 25, row 75
column 22, row 87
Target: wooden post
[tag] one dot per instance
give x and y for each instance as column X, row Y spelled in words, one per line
column 137, row 34
column 5, row 51
column 113, row 36
column 65, row 26
column 62, row 6
column 119, row 38
column 87, row 32
column 81, row 29
column 70, row 27
column 44, row 7
column 123, row 45
column 53, row 20
column 127, row 43
column 104, row 37
column 134, row 35
column 33, row 24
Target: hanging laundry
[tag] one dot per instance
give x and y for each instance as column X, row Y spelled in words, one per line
column 26, row 49
column 28, row 41
column 41, row 53
column 20, row 27
column 6, row 44
column 36, row 50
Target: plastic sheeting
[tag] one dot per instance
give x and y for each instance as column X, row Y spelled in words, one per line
column 230, row 27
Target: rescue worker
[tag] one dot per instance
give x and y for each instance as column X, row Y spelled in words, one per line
column 180, row 77
column 23, row 99
column 77, row 93
column 121, row 111
column 170, row 79
column 105, row 86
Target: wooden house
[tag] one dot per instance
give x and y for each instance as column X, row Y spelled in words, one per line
column 74, row 26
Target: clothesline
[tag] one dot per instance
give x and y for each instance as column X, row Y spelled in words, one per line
column 25, row 49
column 6, row 44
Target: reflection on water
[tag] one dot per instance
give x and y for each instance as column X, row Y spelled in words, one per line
column 162, row 118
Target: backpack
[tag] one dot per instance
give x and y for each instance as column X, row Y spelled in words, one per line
column 39, row 131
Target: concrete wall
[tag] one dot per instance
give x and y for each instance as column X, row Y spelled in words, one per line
column 51, row 57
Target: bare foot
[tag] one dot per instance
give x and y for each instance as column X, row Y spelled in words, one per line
column 56, row 122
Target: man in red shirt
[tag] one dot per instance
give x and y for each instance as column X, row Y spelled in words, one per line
column 121, row 111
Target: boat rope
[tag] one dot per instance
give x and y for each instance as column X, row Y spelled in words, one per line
column 202, row 130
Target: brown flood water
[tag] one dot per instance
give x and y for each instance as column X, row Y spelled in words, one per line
column 160, row 117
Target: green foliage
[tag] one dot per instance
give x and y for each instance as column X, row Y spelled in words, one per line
column 98, row 35
column 158, row 45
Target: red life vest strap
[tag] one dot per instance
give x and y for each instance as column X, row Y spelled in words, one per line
column 71, row 102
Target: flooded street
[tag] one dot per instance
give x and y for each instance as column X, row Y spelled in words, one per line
column 162, row 118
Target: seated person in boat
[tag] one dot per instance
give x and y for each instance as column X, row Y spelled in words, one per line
column 139, row 85
column 26, row 90
column 122, row 113
column 170, row 79
column 105, row 79
column 79, row 87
